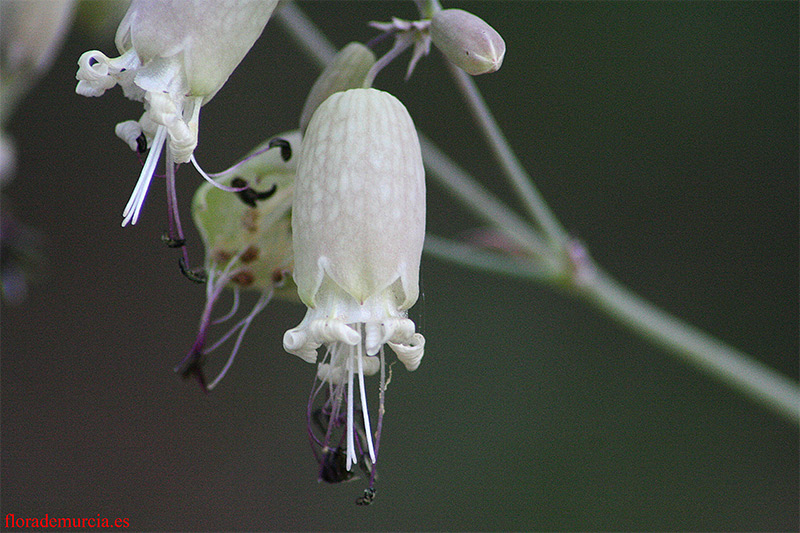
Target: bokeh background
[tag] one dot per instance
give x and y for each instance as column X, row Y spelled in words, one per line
column 664, row 135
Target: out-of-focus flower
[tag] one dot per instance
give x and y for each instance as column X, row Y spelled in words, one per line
column 467, row 41
column 21, row 257
column 31, row 34
column 248, row 241
column 358, row 227
column 175, row 56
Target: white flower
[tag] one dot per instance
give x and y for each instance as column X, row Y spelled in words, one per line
column 248, row 242
column 175, row 56
column 358, row 225
column 31, row 34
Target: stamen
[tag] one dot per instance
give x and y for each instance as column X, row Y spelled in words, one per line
column 172, row 242
column 244, row 324
column 378, row 39
column 141, row 144
column 366, row 499
column 234, row 308
column 316, row 414
column 351, row 448
column 240, row 163
column 134, row 206
column 401, row 43
column 209, row 179
column 174, row 217
column 332, row 467
column 364, row 411
column 286, row 148
column 248, row 195
column 381, row 399
column 198, row 275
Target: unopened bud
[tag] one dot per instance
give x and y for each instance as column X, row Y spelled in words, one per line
column 347, row 71
column 467, row 41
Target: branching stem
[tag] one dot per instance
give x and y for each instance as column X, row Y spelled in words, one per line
column 547, row 248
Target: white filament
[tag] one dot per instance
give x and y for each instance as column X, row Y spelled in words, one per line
column 134, row 206
column 351, row 451
column 365, row 412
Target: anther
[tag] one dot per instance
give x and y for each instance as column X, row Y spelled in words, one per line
column 245, row 278
column 286, row 148
column 278, row 276
column 172, row 243
column 367, row 498
column 141, row 144
column 192, row 366
column 249, row 255
column 266, row 194
column 332, row 468
column 198, row 275
column 249, row 196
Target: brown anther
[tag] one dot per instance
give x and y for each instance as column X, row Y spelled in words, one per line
column 250, row 254
column 250, row 220
column 221, row 256
column 245, row 278
column 277, row 276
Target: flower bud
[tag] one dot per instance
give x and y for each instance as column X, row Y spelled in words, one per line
column 347, row 71
column 467, row 41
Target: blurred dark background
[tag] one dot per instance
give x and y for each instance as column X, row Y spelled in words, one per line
column 665, row 136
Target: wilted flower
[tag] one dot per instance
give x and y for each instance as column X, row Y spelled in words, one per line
column 175, row 56
column 358, row 228
column 467, row 41
column 248, row 241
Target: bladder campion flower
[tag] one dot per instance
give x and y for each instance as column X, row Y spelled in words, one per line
column 248, row 242
column 358, row 227
column 175, row 56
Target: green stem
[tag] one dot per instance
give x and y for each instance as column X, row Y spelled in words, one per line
column 738, row 370
column 729, row 365
column 481, row 259
column 305, row 33
column 519, row 178
column 464, row 187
